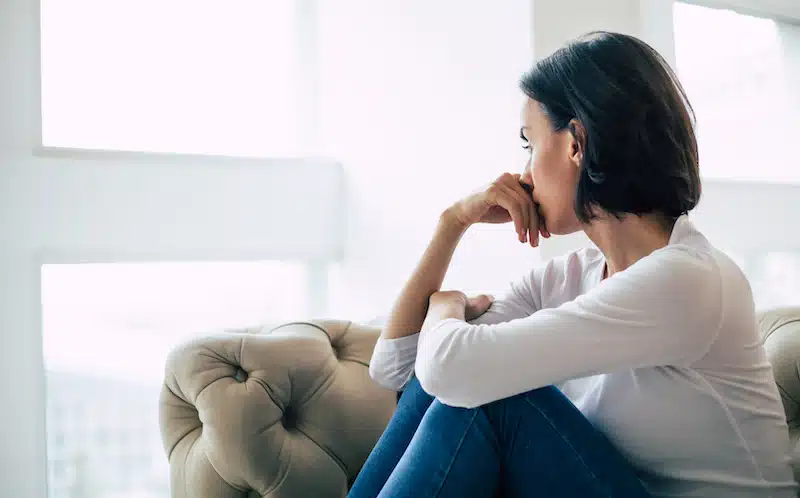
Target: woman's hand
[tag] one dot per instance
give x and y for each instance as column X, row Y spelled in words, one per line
column 456, row 303
column 477, row 305
column 506, row 199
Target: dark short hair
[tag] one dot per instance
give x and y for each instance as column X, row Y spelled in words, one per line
column 640, row 150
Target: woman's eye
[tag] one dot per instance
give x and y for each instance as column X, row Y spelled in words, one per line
column 527, row 146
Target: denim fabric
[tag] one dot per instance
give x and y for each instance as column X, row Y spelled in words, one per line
column 533, row 444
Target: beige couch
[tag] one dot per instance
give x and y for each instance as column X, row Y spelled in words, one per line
column 292, row 412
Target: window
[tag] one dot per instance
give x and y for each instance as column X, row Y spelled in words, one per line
column 107, row 331
column 741, row 77
column 185, row 76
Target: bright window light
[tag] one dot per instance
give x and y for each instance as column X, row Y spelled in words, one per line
column 736, row 70
column 170, row 76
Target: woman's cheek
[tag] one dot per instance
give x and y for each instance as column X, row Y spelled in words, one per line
column 533, row 164
column 539, row 167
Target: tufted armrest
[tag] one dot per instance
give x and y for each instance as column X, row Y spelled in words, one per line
column 277, row 413
column 781, row 331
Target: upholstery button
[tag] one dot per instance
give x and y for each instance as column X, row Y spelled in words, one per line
column 240, row 375
column 289, row 419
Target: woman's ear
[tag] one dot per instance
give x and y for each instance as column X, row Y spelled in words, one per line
column 577, row 142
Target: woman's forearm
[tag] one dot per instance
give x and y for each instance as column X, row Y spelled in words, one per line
column 411, row 306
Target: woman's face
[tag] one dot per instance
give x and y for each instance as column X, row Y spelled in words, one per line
column 552, row 169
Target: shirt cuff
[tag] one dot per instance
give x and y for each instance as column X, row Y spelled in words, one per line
column 406, row 343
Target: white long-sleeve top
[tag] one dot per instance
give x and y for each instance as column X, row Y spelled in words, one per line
column 664, row 358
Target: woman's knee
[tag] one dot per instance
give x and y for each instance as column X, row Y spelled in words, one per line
column 541, row 400
column 542, row 395
column 548, row 396
column 414, row 394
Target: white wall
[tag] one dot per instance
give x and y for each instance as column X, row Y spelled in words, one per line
column 420, row 103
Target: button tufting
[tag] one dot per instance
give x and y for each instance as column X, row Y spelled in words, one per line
column 240, row 375
column 289, row 419
column 335, row 347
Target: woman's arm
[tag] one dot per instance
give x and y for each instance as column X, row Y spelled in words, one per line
column 393, row 360
column 393, row 357
column 411, row 306
column 664, row 310
column 503, row 201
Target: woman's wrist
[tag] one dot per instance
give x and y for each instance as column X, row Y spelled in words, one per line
column 450, row 221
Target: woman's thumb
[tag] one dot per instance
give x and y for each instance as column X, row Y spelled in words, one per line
column 481, row 302
column 477, row 305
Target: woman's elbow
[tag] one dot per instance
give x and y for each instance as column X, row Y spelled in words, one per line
column 444, row 366
column 441, row 381
column 428, row 376
column 392, row 379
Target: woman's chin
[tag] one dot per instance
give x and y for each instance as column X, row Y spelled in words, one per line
column 559, row 227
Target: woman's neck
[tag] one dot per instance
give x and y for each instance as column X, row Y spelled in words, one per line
column 626, row 241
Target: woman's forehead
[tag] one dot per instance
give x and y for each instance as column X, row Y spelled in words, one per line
column 532, row 116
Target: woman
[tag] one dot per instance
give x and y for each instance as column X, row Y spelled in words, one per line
column 634, row 370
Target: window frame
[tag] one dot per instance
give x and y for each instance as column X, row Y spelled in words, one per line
column 308, row 108
column 778, row 10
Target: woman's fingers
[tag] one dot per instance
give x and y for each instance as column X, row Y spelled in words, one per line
column 525, row 211
column 535, row 224
column 536, row 221
column 532, row 221
column 500, row 195
column 545, row 232
column 477, row 306
column 516, row 202
column 516, row 192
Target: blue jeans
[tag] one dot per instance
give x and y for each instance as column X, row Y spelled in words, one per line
column 533, row 444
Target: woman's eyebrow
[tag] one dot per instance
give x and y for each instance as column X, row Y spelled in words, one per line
column 522, row 133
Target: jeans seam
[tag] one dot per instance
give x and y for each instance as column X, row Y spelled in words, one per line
column 566, row 441
column 455, row 453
